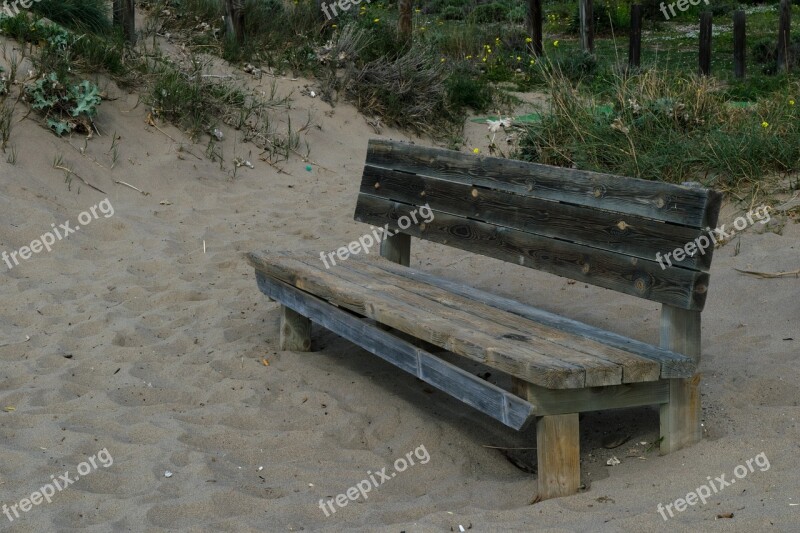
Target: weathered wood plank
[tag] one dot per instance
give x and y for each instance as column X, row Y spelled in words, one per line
column 472, row 390
column 673, row 364
column 599, row 371
column 557, row 402
column 680, row 417
column 295, row 334
column 443, row 332
column 635, row 368
column 646, row 279
column 558, row 455
column 631, row 235
column 694, row 207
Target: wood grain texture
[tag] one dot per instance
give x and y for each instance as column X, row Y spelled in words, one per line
column 635, row 368
column 556, row 402
column 679, row 287
column 680, row 417
column 628, row 235
column 457, row 333
column 472, row 390
column 602, row 367
column 673, row 364
column 558, row 455
column 694, row 207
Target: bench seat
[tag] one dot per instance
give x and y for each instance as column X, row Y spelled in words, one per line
column 527, row 343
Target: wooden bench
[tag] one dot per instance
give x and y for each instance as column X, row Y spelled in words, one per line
column 598, row 229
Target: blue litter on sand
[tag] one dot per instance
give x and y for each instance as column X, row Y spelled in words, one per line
column 308, row 167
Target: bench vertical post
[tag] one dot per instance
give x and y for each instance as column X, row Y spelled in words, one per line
column 557, row 448
column 680, row 417
column 397, row 249
column 558, row 455
column 295, row 331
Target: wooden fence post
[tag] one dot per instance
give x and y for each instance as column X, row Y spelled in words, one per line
column 124, row 15
column 404, row 19
column 739, row 44
column 705, row 42
column 635, row 41
column 535, row 25
column 587, row 25
column 234, row 19
column 784, row 27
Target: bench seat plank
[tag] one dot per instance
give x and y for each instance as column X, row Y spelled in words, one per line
column 599, row 371
column 679, row 287
column 472, row 390
column 635, row 368
column 673, row 364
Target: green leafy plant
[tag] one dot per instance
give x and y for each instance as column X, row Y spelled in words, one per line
column 65, row 107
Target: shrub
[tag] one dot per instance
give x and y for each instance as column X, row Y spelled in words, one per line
column 494, row 12
column 667, row 127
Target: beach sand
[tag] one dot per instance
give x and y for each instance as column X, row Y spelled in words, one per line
column 148, row 339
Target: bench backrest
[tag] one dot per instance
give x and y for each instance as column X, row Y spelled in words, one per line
column 595, row 228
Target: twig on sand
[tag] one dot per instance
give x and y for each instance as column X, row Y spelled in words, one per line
column 795, row 273
column 150, row 122
column 132, row 187
column 70, row 171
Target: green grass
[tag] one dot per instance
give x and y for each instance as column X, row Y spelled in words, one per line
column 81, row 15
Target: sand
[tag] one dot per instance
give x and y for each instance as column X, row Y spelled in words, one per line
column 149, row 343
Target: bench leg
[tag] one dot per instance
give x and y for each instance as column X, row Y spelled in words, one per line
column 558, row 455
column 295, row 331
column 557, row 448
column 680, row 418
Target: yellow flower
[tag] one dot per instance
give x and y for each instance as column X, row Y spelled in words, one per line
column 442, row 60
column 519, row 58
column 376, row 21
column 334, row 26
column 468, row 57
column 555, row 43
column 476, row 150
column 533, row 61
column 528, row 40
column 417, row 10
column 791, row 102
column 497, row 40
column 484, row 60
column 765, row 124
